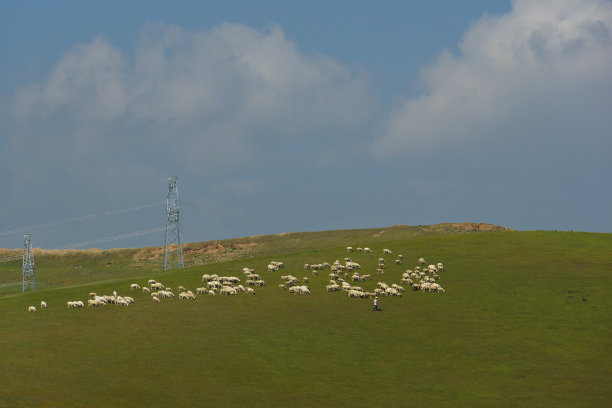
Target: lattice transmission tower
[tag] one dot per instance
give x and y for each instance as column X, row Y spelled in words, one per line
column 173, row 250
column 28, row 280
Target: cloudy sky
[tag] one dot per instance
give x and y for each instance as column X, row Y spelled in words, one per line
column 283, row 116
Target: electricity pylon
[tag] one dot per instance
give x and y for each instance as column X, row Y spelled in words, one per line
column 27, row 269
column 173, row 251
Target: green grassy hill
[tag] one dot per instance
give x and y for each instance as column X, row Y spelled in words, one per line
column 525, row 321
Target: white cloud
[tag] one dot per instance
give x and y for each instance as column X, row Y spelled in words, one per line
column 526, row 74
column 193, row 99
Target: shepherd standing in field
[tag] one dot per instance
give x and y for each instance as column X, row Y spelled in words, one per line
column 376, row 303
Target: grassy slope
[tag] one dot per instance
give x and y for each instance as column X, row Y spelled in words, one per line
column 525, row 321
column 66, row 268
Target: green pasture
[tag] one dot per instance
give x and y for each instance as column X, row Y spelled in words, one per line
column 526, row 321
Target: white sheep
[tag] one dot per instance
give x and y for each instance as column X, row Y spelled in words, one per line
column 134, row 286
column 226, row 290
column 145, row 290
column 398, row 287
column 155, row 299
column 32, row 309
column 250, row 291
column 386, row 251
column 421, row 261
column 367, row 250
column 349, row 249
column 43, row 304
column 157, row 286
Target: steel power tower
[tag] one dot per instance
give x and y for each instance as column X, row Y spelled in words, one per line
column 28, row 264
column 173, row 251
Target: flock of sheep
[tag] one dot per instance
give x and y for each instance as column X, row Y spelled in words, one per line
column 422, row 277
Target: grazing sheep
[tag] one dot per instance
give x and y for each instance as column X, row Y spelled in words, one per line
column 359, row 249
column 299, row 290
column 157, row 286
column 43, row 304
column 272, row 268
column 250, row 291
column 226, row 290
column 306, row 266
column 315, row 273
column 400, row 257
column 145, row 290
column 380, row 271
column 425, row 286
column 305, row 279
column 213, row 284
column 150, row 282
column 187, row 295
column 440, row 266
column 155, row 299
column 386, row 251
column 282, row 287
column 201, row 291
column 134, row 286
column 349, row 249
column 206, row 277
column 398, row 261
column 211, row 293
column 332, row 287
column 32, row 309
column 367, row 250
column 181, row 288
column 92, row 294
column 421, row 261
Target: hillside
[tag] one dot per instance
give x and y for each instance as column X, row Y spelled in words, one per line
column 524, row 321
column 69, row 267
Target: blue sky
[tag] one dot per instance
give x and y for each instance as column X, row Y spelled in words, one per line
column 290, row 116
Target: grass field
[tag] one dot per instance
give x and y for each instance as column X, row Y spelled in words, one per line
column 526, row 320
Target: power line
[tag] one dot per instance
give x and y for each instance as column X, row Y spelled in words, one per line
column 94, row 242
column 76, row 219
column 110, row 239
